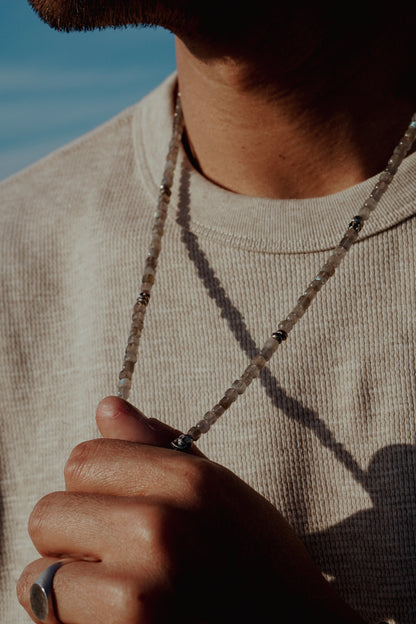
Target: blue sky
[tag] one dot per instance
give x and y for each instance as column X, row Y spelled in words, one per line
column 56, row 86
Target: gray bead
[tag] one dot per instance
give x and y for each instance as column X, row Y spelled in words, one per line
column 218, row 410
column 347, row 241
column 239, row 385
column 210, row 418
column 259, row 361
column 379, row 189
column 203, row 425
column 229, row 397
column 195, row 433
column 268, row 349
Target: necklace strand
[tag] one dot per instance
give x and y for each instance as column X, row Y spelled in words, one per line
column 184, row 441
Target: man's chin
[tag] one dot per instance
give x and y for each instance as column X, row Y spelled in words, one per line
column 81, row 15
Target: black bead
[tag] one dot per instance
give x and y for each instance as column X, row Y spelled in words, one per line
column 143, row 297
column 280, row 335
column 165, row 190
column 182, row 443
column 356, row 224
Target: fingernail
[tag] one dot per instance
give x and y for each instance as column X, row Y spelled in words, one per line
column 114, row 407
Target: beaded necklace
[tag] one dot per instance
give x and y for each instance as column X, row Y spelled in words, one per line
column 184, row 441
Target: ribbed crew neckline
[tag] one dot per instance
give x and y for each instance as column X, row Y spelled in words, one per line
column 261, row 224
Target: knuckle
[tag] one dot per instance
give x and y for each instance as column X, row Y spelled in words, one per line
column 157, row 529
column 135, row 600
column 39, row 515
column 23, row 586
column 196, row 479
column 124, row 597
column 153, row 524
column 77, row 465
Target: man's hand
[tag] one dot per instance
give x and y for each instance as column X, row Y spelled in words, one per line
column 158, row 536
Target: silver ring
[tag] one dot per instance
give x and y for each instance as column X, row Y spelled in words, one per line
column 41, row 594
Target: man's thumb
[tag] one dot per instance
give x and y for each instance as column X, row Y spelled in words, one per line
column 119, row 420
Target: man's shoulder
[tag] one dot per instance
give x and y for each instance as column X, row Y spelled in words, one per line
column 79, row 171
column 73, row 166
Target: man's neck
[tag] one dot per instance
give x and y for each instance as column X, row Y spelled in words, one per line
column 258, row 144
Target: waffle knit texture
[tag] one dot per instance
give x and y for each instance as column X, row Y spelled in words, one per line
column 327, row 433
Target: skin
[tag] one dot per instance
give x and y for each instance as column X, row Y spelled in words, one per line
column 160, row 533
column 289, row 109
column 322, row 81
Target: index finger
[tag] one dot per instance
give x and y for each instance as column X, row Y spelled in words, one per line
column 122, row 468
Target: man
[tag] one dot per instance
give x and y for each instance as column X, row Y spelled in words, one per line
column 289, row 114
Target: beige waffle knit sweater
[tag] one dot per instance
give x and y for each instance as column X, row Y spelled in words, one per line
column 328, row 431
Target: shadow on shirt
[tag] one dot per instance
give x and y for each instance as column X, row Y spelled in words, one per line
column 367, row 556
column 371, row 555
